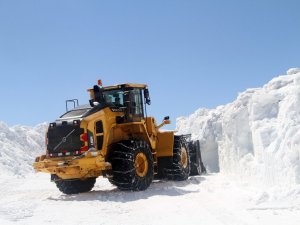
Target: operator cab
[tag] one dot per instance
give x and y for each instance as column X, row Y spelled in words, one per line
column 127, row 98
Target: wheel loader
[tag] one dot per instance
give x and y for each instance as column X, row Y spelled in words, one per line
column 113, row 137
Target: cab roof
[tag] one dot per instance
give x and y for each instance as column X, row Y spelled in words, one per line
column 129, row 85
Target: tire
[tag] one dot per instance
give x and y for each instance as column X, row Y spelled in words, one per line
column 179, row 170
column 75, row 186
column 195, row 156
column 132, row 165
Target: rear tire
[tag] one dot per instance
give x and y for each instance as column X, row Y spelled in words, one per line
column 179, row 170
column 75, row 186
column 132, row 165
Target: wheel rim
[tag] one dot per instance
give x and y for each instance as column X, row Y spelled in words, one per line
column 141, row 165
column 184, row 157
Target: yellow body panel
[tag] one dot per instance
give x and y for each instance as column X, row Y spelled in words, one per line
column 165, row 142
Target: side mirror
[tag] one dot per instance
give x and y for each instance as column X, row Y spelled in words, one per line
column 165, row 121
column 147, row 96
column 167, row 118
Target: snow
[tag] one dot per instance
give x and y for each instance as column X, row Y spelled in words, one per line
column 208, row 200
column 256, row 138
column 250, row 148
column 19, row 146
column 293, row 71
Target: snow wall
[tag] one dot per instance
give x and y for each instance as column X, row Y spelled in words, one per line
column 19, row 145
column 256, row 137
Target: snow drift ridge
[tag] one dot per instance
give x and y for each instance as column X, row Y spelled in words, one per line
column 257, row 136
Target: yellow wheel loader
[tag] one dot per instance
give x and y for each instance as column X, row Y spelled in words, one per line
column 114, row 138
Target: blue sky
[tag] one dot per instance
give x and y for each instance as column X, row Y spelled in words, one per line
column 191, row 53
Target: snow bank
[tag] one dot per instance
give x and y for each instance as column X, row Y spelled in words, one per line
column 19, row 145
column 256, row 137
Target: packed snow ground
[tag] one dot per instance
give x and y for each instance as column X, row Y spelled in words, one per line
column 207, row 200
column 250, row 147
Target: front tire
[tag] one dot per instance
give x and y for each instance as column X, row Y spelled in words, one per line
column 132, row 165
column 75, row 186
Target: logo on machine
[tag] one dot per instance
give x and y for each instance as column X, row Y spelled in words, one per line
column 116, row 109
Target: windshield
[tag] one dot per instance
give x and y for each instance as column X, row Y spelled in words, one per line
column 75, row 113
column 115, row 97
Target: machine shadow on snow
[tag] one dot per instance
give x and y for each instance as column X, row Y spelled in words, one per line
column 157, row 188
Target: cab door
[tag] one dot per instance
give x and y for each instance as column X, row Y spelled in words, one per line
column 134, row 105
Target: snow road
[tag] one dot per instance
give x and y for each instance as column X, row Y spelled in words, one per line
column 211, row 199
